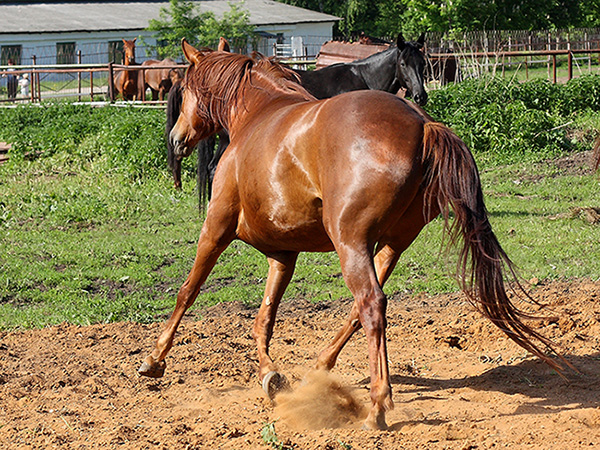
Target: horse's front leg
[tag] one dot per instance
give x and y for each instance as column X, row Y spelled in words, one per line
column 281, row 269
column 216, row 235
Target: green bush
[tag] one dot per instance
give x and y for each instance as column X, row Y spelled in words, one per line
column 505, row 121
column 129, row 140
column 502, row 121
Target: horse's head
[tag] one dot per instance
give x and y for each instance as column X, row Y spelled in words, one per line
column 129, row 52
column 410, row 68
column 195, row 121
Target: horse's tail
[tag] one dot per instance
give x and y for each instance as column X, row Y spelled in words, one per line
column 206, row 152
column 173, row 108
column 452, row 181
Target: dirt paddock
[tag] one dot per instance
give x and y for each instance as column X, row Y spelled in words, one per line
column 458, row 382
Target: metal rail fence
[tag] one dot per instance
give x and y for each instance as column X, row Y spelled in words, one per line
column 94, row 82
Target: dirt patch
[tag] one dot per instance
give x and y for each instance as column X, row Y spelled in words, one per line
column 458, row 382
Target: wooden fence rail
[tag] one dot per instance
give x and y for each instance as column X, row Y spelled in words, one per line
column 464, row 58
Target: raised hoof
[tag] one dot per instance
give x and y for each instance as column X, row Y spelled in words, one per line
column 152, row 369
column 273, row 383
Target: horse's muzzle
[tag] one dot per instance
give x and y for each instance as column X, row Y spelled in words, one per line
column 421, row 98
column 179, row 146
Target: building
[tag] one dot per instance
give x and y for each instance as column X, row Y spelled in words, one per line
column 92, row 31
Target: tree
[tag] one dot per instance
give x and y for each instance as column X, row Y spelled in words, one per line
column 388, row 17
column 182, row 20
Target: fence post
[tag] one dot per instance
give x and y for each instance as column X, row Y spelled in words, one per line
column 36, row 81
column 79, row 76
column 91, row 86
column 554, row 68
column 111, row 83
column 570, row 65
column 32, row 81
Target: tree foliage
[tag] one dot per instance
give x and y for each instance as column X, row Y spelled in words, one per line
column 182, row 19
column 388, row 17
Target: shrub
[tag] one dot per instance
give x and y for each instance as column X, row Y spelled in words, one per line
column 505, row 121
column 123, row 139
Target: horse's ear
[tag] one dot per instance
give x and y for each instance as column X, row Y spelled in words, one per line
column 223, row 45
column 190, row 52
column 134, row 39
column 421, row 40
column 400, row 42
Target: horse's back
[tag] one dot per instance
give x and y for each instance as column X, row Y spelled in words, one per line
column 331, row 81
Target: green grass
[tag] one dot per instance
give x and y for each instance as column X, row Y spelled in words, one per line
column 93, row 247
column 93, row 232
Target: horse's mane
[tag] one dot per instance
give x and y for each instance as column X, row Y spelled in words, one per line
column 222, row 79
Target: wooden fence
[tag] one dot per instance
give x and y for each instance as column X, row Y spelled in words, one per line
column 91, row 81
column 96, row 81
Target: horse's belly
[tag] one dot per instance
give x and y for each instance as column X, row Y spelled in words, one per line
column 291, row 229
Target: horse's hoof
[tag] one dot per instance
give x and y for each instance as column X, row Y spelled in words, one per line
column 273, row 383
column 378, row 424
column 152, row 369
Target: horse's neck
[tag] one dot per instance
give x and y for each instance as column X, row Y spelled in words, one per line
column 252, row 100
column 379, row 70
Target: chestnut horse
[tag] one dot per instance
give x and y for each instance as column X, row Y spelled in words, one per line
column 400, row 66
column 360, row 174
column 126, row 81
column 160, row 81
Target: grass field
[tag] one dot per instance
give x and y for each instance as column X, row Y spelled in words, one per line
column 92, row 230
column 87, row 247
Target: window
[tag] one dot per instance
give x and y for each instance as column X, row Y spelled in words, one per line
column 10, row 52
column 115, row 52
column 65, row 53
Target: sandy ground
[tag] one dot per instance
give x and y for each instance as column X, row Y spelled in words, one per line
column 458, row 382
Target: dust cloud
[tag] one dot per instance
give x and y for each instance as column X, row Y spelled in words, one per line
column 319, row 401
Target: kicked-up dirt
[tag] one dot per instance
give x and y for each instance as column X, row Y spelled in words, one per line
column 458, row 382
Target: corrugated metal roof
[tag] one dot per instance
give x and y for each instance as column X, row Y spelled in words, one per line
column 134, row 15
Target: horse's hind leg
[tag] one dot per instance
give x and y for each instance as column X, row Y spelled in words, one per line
column 361, row 279
column 385, row 261
column 217, row 233
column 387, row 255
column 281, row 269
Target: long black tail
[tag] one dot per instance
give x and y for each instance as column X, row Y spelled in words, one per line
column 173, row 109
column 452, row 180
column 206, row 153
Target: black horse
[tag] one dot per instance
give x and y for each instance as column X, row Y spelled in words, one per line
column 400, row 66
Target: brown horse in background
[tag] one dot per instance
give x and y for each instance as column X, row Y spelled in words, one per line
column 126, row 81
column 160, row 81
column 596, row 151
column 206, row 148
column 360, row 174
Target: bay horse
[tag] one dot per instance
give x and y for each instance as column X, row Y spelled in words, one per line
column 401, row 66
column 160, row 81
column 126, row 81
column 360, row 174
